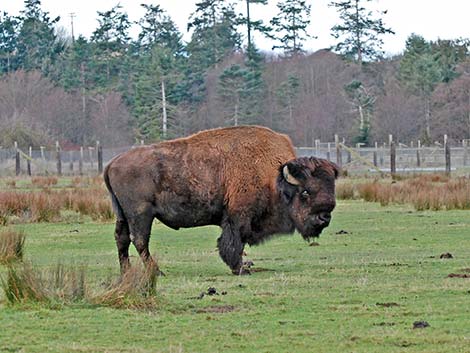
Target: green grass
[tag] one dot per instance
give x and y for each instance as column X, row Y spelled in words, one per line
column 312, row 298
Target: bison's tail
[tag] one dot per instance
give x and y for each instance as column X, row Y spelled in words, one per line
column 114, row 200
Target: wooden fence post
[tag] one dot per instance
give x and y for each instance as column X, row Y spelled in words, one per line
column 90, row 155
column 99, row 150
column 339, row 159
column 418, row 154
column 393, row 158
column 58, row 158
column 375, row 154
column 28, row 161
column 17, row 160
column 465, row 152
column 71, row 161
column 80, row 161
column 447, row 154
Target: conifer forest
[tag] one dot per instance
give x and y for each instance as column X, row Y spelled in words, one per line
column 121, row 88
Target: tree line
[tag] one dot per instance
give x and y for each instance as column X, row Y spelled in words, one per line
column 118, row 89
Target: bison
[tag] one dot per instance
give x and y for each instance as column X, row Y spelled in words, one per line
column 245, row 179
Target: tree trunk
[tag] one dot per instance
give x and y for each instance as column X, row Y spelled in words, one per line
column 165, row 120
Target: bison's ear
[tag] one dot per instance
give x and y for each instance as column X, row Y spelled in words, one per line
column 293, row 172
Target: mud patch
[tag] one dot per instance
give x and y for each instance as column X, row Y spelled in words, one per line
column 458, row 275
column 261, row 269
column 216, row 309
column 387, row 305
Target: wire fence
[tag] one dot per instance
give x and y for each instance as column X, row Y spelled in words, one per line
column 387, row 158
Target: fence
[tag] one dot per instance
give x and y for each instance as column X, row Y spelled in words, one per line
column 386, row 158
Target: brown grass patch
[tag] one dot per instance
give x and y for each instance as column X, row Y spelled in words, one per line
column 11, row 183
column 44, row 182
column 11, row 246
column 45, row 205
column 427, row 192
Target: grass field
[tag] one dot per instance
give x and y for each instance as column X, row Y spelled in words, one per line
column 355, row 292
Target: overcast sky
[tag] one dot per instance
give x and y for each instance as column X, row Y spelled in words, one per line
column 432, row 19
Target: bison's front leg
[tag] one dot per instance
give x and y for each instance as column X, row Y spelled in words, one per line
column 231, row 248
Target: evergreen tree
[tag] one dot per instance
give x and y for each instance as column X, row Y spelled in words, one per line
column 215, row 35
column 449, row 54
column 359, row 31
column 291, row 24
column 157, row 28
column 8, row 42
column 37, row 44
column 157, row 73
column 287, row 94
column 253, row 25
column 111, row 43
column 420, row 72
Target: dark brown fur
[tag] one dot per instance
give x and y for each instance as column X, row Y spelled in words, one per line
column 231, row 177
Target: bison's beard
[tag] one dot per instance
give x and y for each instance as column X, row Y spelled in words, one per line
column 311, row 233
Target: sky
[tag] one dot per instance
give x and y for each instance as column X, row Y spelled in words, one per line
column 431, row 19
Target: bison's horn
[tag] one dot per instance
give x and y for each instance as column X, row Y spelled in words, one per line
column 289, row 178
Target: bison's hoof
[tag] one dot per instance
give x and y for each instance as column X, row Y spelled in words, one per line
column 248, row 263
column 241, row 272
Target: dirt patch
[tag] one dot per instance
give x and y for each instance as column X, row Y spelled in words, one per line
column 458, row 275
column 396, row 264
column 217, row 309
column 260, row 269
column 387, row 305
column 342, row 232
column 385, row 324
column 314, row 243
column 446, row 255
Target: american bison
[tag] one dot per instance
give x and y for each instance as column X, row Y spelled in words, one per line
column 246, row 179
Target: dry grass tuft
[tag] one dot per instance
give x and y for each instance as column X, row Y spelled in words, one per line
column 11, row 246
column 22, row 285
column 60, row 285
column 136, row 289
column 345, row 191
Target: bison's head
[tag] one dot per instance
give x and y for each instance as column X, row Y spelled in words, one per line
column 307, row 186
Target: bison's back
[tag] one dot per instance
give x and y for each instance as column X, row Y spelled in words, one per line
column 250, row 158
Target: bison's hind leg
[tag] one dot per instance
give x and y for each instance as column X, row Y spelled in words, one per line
column 140, row 228
column 123, row 241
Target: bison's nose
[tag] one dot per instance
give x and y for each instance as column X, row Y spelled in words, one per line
column 323, row 218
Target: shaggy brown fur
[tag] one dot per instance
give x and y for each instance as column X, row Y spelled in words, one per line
column 232, row 177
